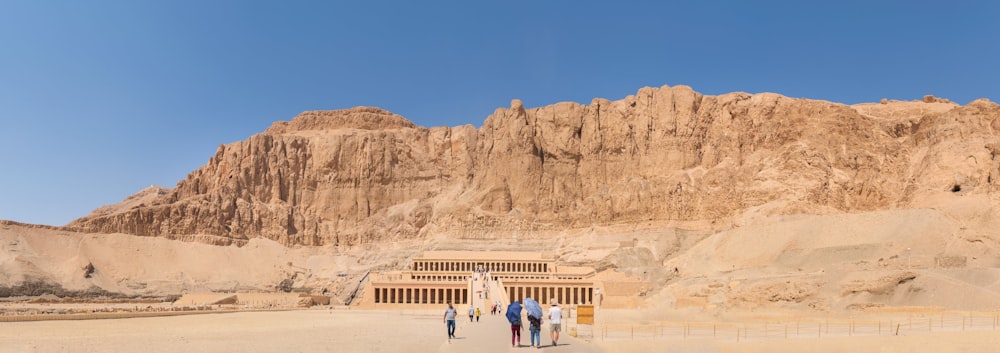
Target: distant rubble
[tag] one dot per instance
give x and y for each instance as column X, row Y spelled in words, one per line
column 927, row 99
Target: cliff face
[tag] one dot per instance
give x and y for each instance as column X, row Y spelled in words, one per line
column 365, row 175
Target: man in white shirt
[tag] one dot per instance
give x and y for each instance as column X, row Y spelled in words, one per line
column 555, row 320
column 449, row 320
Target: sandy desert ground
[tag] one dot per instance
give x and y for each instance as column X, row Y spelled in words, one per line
column 317, row 330
column 326, row 330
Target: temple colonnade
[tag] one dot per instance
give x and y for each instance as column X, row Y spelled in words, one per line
column 420, row 295
column 472, row 265
column 439, row 277
column 580, row 294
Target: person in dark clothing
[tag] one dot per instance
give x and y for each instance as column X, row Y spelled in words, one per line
column 535, row 331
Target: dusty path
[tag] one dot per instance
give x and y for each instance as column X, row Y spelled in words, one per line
column 389, row 331
column 283, row 331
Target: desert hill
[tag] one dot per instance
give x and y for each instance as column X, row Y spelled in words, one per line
column 726, row 202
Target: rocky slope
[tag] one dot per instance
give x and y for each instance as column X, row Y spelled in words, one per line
column 721, row 203
column 365, row 175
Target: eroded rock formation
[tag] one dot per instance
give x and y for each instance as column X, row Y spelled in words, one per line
column 364, row 174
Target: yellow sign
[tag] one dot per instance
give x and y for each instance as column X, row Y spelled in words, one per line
column 585, row 314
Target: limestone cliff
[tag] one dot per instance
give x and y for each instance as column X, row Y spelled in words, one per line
column 365, row 175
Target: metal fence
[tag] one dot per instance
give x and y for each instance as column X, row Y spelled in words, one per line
column 792, row 329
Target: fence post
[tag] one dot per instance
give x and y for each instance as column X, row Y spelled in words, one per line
column 737, row 335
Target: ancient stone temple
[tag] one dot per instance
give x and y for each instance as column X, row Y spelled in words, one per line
column 481, row 278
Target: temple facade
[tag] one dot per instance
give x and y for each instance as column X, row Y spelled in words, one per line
column 480, row 278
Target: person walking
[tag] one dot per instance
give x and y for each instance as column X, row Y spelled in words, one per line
column 555, row 321
column 514, row 317
column 534, row 331
column 477, row 314
column 449, row 320
column 471, row 313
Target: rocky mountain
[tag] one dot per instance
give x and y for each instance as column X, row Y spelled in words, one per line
column 365, row 175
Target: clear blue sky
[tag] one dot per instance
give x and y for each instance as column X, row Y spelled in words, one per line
column 99, row 99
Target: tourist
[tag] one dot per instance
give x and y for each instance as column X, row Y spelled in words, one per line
column 514, row 317
column 555, row 318
column 477, row 314
column 449, row 320
column 472, row 312
column 534, row 331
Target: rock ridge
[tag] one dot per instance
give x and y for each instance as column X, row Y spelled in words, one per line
column 365, row 175
column 364, row 118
